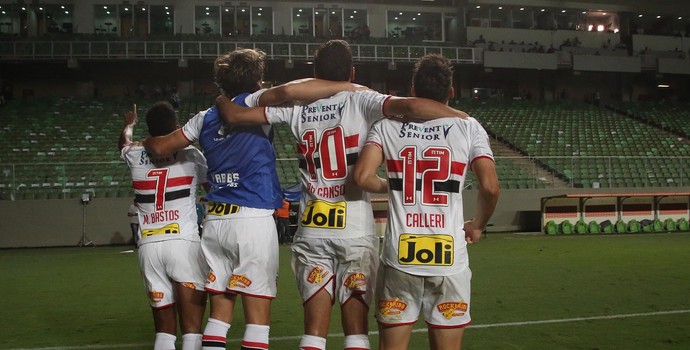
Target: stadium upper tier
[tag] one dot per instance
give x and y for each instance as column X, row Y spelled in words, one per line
column 61, row 148
column 585, row 145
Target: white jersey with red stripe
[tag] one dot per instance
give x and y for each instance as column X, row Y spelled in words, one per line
column 330, row 134
column 165, row 191
column 426, row 165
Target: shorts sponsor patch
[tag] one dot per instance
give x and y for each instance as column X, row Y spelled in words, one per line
column 430, row 250
column 211, row 277
column 156, row 296
column 239, row 281
column 317, row 275
column 322, row 214
column 188, row 285
column 169, row 229
column 391, row 307
column 355, row 280
column 452, row 309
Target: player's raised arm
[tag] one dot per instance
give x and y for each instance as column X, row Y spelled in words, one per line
column 126, row 135
column 167, row 144
column 309, row 89
column 487, row 198
column 365, row 169
column 419, row 108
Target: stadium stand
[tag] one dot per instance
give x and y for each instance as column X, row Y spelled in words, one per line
column 585, row 145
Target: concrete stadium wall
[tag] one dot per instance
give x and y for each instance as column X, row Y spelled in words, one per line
column 50, row 223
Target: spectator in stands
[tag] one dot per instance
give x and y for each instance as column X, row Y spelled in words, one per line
column 551, row 49
column 175, row 99
column 480, row 40
column 435, row 287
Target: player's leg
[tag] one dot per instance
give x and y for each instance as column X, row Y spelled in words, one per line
column 447, row 309
column 187, row 267
column 356, row 275
column 394, row 337
column 398, row 302
column 213, row 244
column 355, row 322
column 191, row 304
column 219, row 321
column 257, row 315
column 445, row 338
column 255, row 277
column 160, row 292
column 317, row 318
column 312, row 266
column 165, row 324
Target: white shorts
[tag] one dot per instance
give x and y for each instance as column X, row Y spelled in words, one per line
column 164, row 262
column 341, row 266
column 444, row 300
column 242, row 254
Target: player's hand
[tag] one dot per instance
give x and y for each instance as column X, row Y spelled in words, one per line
column 131, row 116
column 472, row 232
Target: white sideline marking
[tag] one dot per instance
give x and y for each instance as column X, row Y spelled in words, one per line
column 418, row 330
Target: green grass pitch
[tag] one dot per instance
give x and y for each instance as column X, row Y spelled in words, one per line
column 529, row 292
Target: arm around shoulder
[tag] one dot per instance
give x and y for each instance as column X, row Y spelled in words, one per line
column 167, row 144
column 368, row 162
column 420, row 108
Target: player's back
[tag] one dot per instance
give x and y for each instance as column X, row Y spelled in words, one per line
column 330, row 134
column 426, row 165
column 165, row 192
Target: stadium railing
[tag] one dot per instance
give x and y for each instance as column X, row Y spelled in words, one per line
column 212, row 49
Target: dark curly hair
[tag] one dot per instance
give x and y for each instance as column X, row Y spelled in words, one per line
column 433, row 77
column 239, row 71
column 161, row 119
column 333, row 61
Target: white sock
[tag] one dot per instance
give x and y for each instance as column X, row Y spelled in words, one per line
column 191, row 341
column 215, row 335
column 310, row 342
column 357, row 342
column 164, row 341
column 255, row 337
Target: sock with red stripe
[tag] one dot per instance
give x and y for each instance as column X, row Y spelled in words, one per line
column 164, row 341
column 215, row 334
column 255, row 337
column 357, row 342
column 310, row 342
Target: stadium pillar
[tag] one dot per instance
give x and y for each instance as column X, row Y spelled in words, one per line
column 461, row 34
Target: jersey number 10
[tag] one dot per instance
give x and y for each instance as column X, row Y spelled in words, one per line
column 331, row 149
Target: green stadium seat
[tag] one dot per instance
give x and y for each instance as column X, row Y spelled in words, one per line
column 683, row 224
column 634, row 226
column 594, row 227
column 581, row 227
column 621, row 227
column 551, row 228
column 567, row 227
column 670, row 225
